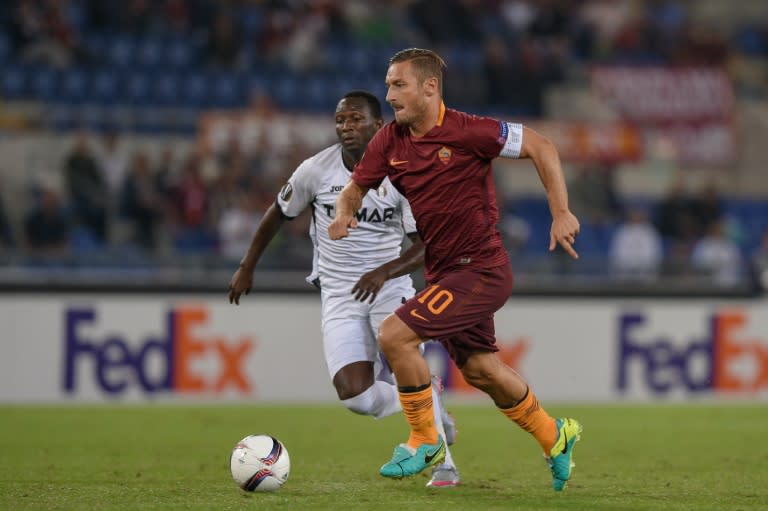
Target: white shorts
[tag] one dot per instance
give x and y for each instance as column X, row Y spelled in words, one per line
column 350, row 327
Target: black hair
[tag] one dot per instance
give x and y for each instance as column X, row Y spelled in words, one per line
column 373, row 102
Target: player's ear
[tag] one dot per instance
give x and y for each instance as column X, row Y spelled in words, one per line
column 379, row 123
column 431, row 86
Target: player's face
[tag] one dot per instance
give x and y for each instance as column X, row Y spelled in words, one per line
column 355, row 126
column 405, row 94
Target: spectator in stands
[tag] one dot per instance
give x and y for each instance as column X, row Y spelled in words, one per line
column 223, row 49
column 88, row 191
column 675, row 216
column 141, row 202
column 6, row 233
column 718, row 256
column 237, row 225
column 47, row 226
column 706, row 208
column 113, row 164
column 636, row 249
column 191, row 208
column 592, row 193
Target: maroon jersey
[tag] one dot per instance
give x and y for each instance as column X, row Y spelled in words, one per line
column 446, row 177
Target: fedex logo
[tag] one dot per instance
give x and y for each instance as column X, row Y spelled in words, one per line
column 723, row 360
column 172, row 361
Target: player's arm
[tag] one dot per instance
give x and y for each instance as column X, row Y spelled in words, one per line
column 242, row 280
column 409, row 261
column 565, row 226
column 347, row 203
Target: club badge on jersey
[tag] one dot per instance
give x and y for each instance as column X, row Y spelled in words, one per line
column 444, row 154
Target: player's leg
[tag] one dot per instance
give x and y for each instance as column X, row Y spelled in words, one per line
column 425, row 447
column 516, row 400
column 444, row 475
column 350, row 353
column 393, row 294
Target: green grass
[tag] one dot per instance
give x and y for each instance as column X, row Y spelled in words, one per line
column 675, row 457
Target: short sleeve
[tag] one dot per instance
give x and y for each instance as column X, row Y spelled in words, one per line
column 298, row 192
column 484, row 136
column 490, row 138
column 409, row 222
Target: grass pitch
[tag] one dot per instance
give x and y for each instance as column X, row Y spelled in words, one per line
column 167, row 457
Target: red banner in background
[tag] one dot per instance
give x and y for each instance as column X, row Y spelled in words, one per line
column 692, row 109
column 583, row 142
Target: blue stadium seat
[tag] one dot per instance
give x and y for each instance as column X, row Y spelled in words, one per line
column 195, row 90
column 13, row 82
column 166, row 89
column 285, row 90
column 104, row 87
column 43, row 83
column 121, row 51
column 179, row 53
column 136, row 89
column 73, row 86
column 150, row 53
column 226, row 91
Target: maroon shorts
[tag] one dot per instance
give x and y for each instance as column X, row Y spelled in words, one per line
column 458, row 309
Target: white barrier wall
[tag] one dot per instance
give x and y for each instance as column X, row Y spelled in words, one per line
column 92, row 348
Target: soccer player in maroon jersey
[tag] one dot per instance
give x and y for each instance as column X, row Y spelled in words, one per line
column 440, row 160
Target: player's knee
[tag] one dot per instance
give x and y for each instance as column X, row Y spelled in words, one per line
column 348, row 390
column 362, row 403
column 478, row 375
column 394, row 335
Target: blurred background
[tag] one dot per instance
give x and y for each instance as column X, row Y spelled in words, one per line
column 142, row 140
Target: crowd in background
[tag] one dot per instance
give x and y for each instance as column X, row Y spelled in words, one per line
column 516, row 48
column 209, row 202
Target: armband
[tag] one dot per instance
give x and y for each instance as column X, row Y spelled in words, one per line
column 512, row 135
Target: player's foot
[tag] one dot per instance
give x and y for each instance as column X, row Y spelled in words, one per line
column 407, row 461
column 444, row 476
column 449, row 422
column 560, row 459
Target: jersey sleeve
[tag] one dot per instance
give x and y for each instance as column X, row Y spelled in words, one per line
column 409, row 222
column 490, row 138
column 298, row 192
column 372, row 168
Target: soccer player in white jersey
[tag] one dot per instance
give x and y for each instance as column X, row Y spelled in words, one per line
column 362, row 279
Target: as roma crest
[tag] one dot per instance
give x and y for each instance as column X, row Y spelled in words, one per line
column 444, row 154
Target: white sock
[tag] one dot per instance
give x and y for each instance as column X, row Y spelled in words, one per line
column 437, row 409
column 379, row 400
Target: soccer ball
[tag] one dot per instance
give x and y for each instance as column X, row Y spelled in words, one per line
column 260, row 463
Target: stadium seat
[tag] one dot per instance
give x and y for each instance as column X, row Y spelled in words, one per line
column 179, row 54
column 166, row 89
column 43, row 83
column 150, row 53
column 13, row 82
column 226, row 91
column 195, row 90
column 136, row 89
column 121, row 51
column 73, row 87
column 104, row 87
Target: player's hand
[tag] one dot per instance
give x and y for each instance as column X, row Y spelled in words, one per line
column 340, row 226
column 241, row 282
column 370, row 284
column 565, row 227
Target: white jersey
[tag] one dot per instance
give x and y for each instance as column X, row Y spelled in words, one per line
column 383, row 219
